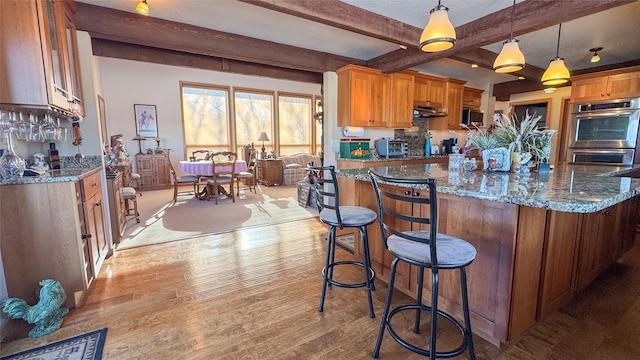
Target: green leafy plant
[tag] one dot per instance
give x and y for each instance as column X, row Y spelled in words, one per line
column 481, row 139
column 523, row 135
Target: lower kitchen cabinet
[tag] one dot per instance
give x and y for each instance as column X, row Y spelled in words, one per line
column 54, row 231
column 154, row 171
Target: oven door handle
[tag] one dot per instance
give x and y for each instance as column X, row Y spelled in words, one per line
column 603, row 114
column 611, row 152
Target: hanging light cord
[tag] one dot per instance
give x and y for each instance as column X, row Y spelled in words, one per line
column 513, row 11
column 558, row 47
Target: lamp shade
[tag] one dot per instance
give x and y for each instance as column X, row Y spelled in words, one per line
column 595, row 57
column 439, row 33
column 263, row 137
column 143, row 8
column 510, row 58
column 556, row 74
column 139, row 137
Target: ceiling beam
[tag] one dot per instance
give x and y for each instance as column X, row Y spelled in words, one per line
column 112, row 49
column 347, row 17
column 530, row 15
column 121, row 26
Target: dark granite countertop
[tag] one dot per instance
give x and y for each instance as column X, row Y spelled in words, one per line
column 61, row 175
column 567, row 188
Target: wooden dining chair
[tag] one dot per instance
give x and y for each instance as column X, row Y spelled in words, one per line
column 224, row 169
column 248, row 177
column 200, row 155
column 180, row 180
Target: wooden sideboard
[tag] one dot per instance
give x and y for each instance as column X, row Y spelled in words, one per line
column 269, row 171
column 154, row 171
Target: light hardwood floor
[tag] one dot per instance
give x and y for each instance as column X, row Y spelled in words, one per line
column 253, row 294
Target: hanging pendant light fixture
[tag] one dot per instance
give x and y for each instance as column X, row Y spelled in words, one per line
column 143, row 8
column 557, row 73
column 439, row 34
column 595, row 57
column 510, row 58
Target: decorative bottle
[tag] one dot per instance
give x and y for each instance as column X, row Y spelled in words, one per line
column 427, row 145
column 11, row 165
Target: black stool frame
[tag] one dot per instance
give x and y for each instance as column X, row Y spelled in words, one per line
column 327, row 197
column 389, row 220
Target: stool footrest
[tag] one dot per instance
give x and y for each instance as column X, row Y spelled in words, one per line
column 419, row 350
column 372, row 275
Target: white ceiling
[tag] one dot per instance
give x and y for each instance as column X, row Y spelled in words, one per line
column 616, row 30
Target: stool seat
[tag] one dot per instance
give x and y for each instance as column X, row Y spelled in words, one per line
column 327, row 200
column 138, row 184
column 451, row 250
column 351, row 216
column 130, row 199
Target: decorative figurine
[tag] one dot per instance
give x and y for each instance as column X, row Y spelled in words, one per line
column 47, row 314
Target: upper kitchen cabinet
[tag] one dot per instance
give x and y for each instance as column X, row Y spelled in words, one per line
column 39, row 57
column 363, row 97
column 453, row 107
column 606, row 85
column 429, row 90
column 402, row 92
column 472, row 98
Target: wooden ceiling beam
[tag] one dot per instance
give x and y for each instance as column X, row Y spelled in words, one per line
column 118, row 50
column 347, row 17
column 108, row 24
column 530, row 15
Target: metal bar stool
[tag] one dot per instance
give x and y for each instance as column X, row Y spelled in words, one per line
column 331, row 213
column 130, row 199
column 406, row 207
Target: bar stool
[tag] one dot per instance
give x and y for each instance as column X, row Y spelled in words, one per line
column 423, row 248
column 331, row 213
column 135, row 177
column 130, row 199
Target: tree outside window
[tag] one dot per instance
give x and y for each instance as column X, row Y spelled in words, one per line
column 205, row 117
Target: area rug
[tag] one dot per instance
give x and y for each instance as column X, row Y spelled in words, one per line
column 162, row 221
column 82, row 347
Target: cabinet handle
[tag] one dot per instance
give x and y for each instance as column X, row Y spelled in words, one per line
column 99, row 203
column 407, row 192
column 94, row 184
column 415, row 193
column 86, row 236
column 601, row 94
column 606, row 212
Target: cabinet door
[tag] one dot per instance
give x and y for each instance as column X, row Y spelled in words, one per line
column 597, row 248
column 402, row 90
column 163, row 175
column 623, row 86
column 95, row 225
column 437, row 93
column 360, row 99
column 73, row 74
column 472, row 98
column 379, row 100
column 55, row 53
column 588, row 89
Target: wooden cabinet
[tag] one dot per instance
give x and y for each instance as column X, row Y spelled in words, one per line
column 614, row 84
column 363, row 97
column 117, row 208
column 472, row 98
column 41, row 62
column 429, row 90
column 453, row 107
column 269, row 171
column 402, row 93
column 154, row 171
column 52, row 231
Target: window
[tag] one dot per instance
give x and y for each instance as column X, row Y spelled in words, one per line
column 254, row 114
column 295, row 133
column 205, row 117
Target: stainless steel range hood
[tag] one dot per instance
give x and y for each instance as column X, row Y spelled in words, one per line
column 425, row 109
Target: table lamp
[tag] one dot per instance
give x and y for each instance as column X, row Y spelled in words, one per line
column 139, row 138
column 263, row 137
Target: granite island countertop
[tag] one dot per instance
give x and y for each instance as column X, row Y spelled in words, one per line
column 567, row 188
column 60, row 175
column 396, row 158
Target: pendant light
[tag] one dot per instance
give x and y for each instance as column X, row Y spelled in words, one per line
column 439, row 34
column 143, row 8
column 557, row 73
column 510, row 58
column 595, row 58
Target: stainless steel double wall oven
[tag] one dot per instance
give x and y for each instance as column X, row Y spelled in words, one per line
column 604, row 132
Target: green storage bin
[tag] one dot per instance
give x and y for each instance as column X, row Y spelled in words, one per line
column 355, row 149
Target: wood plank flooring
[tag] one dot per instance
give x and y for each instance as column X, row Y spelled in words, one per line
column 253, row 294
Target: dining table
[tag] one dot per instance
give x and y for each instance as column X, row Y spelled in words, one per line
column 204, row 168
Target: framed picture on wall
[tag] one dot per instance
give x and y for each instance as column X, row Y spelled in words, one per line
column 146, row 120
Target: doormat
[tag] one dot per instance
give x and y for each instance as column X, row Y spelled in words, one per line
column 82, row 347
column 345, row 242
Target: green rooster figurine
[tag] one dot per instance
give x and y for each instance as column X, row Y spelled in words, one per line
column 47, row 314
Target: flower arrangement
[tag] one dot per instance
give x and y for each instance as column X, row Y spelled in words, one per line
column 481, row 139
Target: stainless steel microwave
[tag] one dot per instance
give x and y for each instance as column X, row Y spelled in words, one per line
column 472, row 117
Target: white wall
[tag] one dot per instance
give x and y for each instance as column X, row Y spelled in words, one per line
column 125, row 83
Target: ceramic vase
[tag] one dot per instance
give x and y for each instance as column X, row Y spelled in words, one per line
column 427, row 147
column 11, row 165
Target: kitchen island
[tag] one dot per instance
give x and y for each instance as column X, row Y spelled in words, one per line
column 541, row 238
